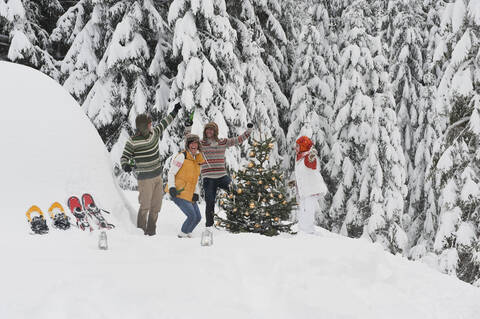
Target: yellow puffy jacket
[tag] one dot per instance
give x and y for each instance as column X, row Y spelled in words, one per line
column 187, row 177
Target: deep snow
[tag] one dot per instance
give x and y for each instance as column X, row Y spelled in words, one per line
column 50, row 150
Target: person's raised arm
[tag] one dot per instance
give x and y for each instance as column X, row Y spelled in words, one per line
column 240, row 139
column 167, row 120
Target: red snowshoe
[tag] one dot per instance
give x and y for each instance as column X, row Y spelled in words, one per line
column 79, row 213
column 94, row 212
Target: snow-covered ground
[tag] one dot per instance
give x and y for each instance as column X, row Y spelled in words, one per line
column 64, row 275
column 50, row 151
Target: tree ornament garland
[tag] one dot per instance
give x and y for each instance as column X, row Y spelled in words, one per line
column 260, row 203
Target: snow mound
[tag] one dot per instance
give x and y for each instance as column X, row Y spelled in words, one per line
column 50, row 150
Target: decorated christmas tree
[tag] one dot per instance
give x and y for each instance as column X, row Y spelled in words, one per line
column 258, row 203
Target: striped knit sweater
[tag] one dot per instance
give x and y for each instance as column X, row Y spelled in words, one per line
column 214, row 153
column 145, row 151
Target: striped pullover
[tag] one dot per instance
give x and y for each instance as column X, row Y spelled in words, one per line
column 145, row 151
column 214, row 153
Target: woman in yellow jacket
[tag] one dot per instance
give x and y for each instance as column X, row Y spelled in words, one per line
column 183, row 183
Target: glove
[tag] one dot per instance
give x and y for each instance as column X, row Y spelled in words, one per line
column 127, row 168
column 173, row 192
column 189, row 120
column 195, row 198
column 249, row 125
column 313, row 153
column 176, row 108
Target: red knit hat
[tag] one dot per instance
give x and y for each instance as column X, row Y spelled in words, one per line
column 305, row 143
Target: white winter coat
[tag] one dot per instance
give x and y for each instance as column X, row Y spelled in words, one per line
column 309, row 181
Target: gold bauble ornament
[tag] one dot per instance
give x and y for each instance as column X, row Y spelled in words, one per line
column 234, row 210
column 260, row 169
column 280, row 196
column 264, row 200
column 276, row 219
column 228, row 225
column 230, row 196
column 252, row 205
column 260, row 182
column 270, row 145
column 273, row 178
column 239, row 191
column 257, row 225
column 222, row 202
column 251, row 164
column 251, row 154
column 267, row 214
column 284, row 202
column 271, row 195
column 247, row 214
column 255, row 144
column 224, row 195
column 248, row 183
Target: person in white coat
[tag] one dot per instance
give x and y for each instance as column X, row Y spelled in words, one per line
column 310, row 184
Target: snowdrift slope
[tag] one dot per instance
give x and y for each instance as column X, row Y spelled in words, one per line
column 50, row 149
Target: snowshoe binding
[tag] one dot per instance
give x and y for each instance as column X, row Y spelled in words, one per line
column 94, row 212
column 37, row 223
column 79, row 213
column 59, row 218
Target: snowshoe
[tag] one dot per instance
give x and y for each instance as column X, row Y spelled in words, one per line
column 94, row 212
column 79, row 213
column 37, row 223
column 59, row 218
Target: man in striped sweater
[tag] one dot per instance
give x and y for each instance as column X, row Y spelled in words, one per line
column 213, row 172
column 143, row 149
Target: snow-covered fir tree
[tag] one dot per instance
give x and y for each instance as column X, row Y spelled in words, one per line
column 313, row 84
column 405, row 41
column 80, row 35
column 28, row 23
column 125, row 87
column 456, row 164
column 258, row 21
column 367, row 160
column 263, row 97
column 422, row 199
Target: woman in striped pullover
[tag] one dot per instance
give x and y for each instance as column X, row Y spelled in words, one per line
column 213, row 172
column 143, row 149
